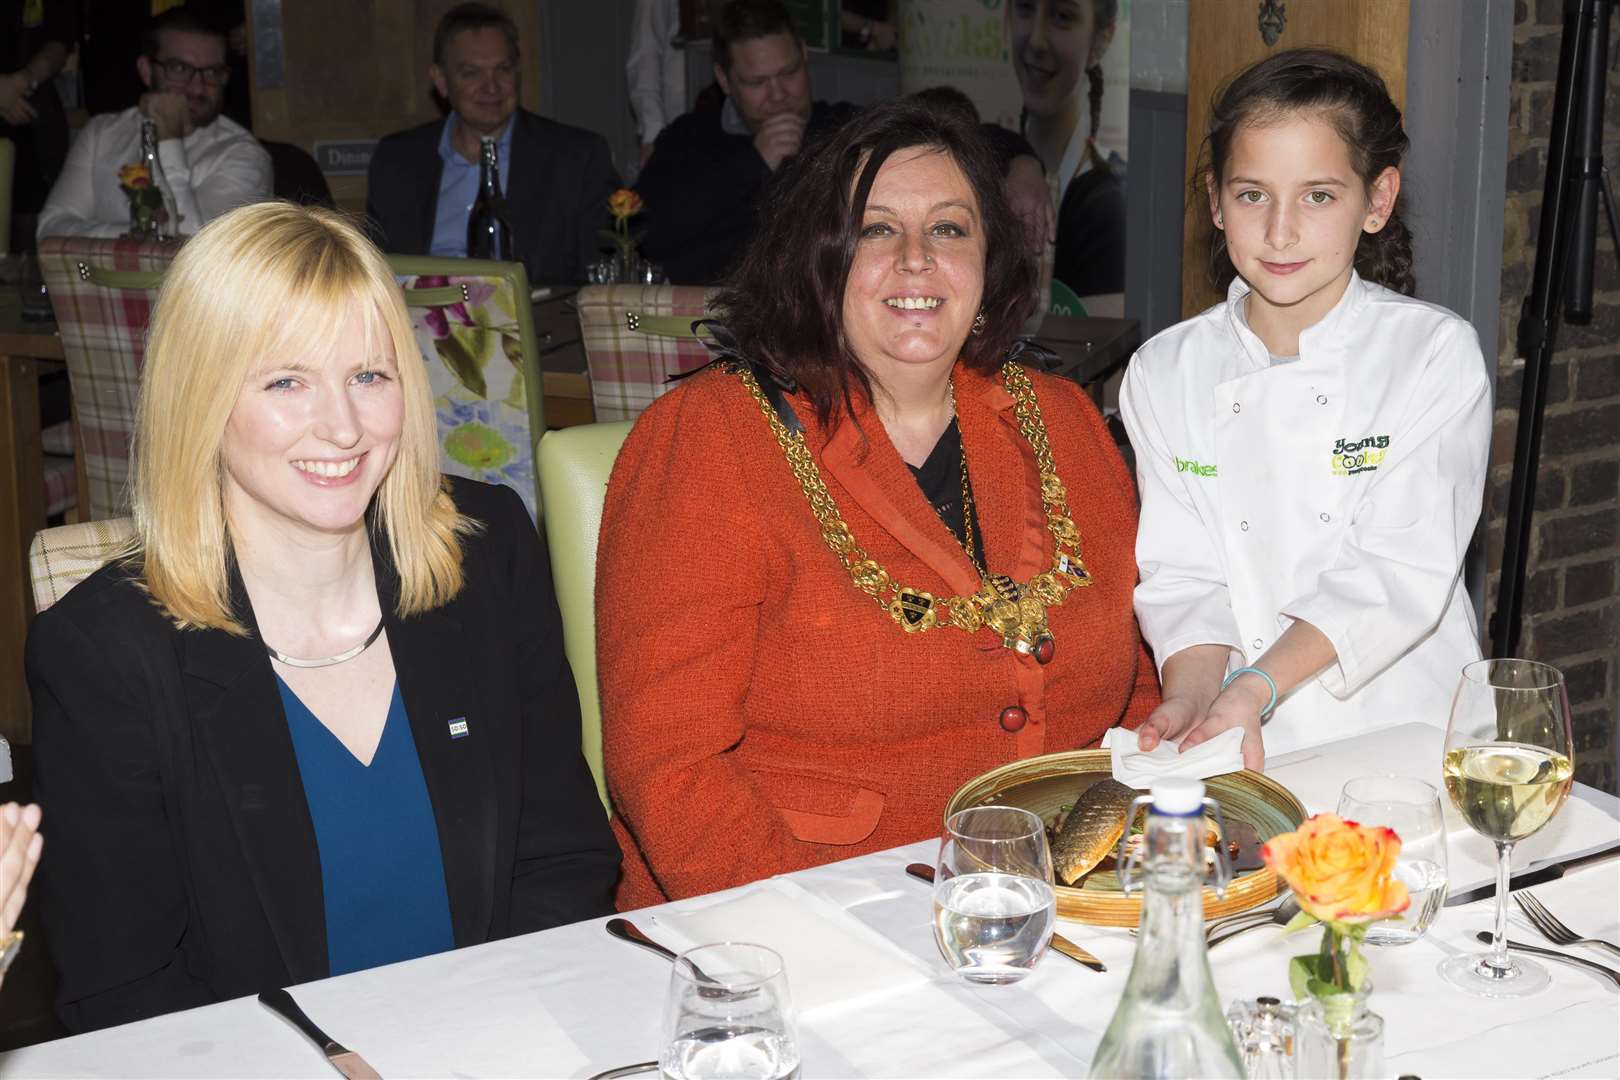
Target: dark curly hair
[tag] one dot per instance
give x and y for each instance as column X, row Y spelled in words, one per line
column 1354, row 99
column 785, row 301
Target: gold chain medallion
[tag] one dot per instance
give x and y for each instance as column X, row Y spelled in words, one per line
column 1016, row 612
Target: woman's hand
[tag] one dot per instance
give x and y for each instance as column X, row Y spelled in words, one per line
column 20, row 845
column 1238, row 706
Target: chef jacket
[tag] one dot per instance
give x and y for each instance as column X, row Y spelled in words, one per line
column 1341, row 488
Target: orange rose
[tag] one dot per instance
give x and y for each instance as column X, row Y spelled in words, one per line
column 134, row 176
column 1341, row 872
column 624, row 203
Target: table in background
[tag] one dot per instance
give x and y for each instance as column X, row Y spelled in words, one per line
column 571, row 1002
column 26, row 351
column 1090, row 349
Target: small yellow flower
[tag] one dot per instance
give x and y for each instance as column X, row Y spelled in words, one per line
column 134, row 176
column 1342, row 872
column 624, row 204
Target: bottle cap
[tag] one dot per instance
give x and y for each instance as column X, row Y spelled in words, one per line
column 1178, row 795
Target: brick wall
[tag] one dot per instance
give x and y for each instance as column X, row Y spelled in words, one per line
column 1573, row 613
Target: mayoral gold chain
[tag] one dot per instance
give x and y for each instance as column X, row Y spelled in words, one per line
column 1017, row 612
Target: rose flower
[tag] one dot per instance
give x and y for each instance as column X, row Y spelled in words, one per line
column 1341, row 871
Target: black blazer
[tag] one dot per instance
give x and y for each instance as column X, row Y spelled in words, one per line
column 182, row 865
column 558, row 185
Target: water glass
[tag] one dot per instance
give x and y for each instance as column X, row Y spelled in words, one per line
column 729, row 1016
column 994, row 906
column 1412, row 808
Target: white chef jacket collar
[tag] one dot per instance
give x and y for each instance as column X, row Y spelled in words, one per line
column 1330, row 332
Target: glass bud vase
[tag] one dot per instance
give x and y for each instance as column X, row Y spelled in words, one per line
column 1339, row 1038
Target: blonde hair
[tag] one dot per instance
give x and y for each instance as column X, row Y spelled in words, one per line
column 261, row 280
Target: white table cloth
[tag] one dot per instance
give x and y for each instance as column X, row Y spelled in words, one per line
column 572, row 1001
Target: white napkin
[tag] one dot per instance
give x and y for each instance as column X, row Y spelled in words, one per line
column 829, row 957
column 1133, row 768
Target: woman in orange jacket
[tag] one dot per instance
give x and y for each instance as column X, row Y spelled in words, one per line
column 871, row 554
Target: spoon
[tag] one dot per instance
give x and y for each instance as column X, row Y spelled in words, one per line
column 625, row 930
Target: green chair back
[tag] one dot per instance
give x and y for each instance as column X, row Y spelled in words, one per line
column 1064, row 302
column 575, row 464
column 474, row 324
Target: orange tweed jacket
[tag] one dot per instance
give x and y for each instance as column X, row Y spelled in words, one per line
column 760, row 715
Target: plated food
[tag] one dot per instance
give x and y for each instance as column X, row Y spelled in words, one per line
column 1075, row 792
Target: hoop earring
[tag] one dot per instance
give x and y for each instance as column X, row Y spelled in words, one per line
column 978, row 323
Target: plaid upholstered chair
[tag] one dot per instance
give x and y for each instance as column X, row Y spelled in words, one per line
column 60, row 558
column 636, row 337
column 475, row 327
column 102, row 292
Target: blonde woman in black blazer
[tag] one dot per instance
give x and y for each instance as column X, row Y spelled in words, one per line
column 297, row 547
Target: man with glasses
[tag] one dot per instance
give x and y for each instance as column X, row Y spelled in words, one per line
column 211, row 163
column 709, row 169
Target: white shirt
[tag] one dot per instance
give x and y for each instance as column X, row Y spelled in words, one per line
column 1341, row 488
column 656, row 70
column 216, row 168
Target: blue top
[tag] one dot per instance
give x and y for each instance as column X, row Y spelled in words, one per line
column 458, row 189
column 382, row 873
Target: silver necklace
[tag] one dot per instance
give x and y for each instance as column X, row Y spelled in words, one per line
column 346, row 654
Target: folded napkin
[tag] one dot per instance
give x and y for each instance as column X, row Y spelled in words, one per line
column 1133, row 768
column 830, row 958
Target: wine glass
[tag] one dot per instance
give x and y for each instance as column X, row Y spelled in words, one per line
column 729, row 1016
column 1508, row 767
column 994, row 906
column 1411, row 808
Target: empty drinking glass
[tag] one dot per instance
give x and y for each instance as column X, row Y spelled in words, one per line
column 994, row 906
column 729, row 1016
column 1412, row 808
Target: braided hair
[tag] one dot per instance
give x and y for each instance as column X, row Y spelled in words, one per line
column 1353, row 98
column 1104, row 13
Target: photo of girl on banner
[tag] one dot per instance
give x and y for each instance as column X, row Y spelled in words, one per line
column 1074, row 109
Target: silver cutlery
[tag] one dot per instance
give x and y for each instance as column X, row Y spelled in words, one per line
column 1230, row 927
column 1553, row 954
column 344, row 1060
column 1554, row 930
column 924, row 872
column 638, row 1069
column 625, row 930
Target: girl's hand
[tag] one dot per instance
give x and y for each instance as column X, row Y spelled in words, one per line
column 1174, row 718
column 1238, row 706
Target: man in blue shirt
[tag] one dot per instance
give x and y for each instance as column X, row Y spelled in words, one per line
column 557, row 178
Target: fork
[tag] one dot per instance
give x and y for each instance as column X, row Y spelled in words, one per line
column 1552, row 929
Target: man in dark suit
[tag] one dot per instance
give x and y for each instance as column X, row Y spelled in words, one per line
column 709, row 169
column 557, row 178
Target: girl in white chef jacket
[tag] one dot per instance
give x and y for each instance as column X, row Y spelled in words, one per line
column 1312, row 452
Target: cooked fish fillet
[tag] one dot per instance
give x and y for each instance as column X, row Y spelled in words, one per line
column 1091, row 830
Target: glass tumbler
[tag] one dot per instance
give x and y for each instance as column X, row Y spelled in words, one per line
column 729, row 1016
column 1412, row 808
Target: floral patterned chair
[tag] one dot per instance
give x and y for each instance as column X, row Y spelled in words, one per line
column 475, row 327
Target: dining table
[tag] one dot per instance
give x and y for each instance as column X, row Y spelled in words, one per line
column 873, row 996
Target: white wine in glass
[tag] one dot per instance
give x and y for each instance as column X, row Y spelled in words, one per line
column 1508, row 767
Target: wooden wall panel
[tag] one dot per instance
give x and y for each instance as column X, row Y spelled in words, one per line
column 1223, row 37
column 358, row 69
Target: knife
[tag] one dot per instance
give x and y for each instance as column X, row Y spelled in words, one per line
column 924, row 872
column 344, row 1060
column 1530, row 878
